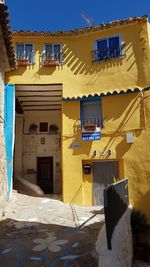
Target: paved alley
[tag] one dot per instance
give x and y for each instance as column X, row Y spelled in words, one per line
column 48, row 233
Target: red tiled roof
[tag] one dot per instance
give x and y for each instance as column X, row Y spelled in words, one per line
column 83, row 30
column 4, row 22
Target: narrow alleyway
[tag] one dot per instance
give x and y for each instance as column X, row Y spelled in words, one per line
column 48, row 233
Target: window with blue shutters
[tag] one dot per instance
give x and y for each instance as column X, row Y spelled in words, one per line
column 107, row 49
column 91, row 113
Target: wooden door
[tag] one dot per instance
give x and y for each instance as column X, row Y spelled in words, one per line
column 45, row 174
column 104, row 174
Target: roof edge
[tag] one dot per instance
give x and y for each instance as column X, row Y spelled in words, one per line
column 115, row 92
column 7, row 37
column 83, row 30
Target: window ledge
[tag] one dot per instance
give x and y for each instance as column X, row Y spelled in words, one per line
column 24, row 62
column 108, row 59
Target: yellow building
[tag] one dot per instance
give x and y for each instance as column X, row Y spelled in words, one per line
column 83, row 110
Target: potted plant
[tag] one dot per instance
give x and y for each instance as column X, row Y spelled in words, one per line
column 53, row 129
column 22, row 62
column 51, row 62
column 33, row 128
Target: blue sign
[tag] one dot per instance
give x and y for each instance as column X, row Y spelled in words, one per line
column 91, row 136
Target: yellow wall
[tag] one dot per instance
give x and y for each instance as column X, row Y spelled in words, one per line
column 78, row 74
column 122, row 113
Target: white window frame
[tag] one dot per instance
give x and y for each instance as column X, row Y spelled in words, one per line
column 24, row 44
column 53, row 44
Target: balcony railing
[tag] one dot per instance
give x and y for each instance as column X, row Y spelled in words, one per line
column 91, row 124
column 25, row 58
column 108, row 53
column 51, row 59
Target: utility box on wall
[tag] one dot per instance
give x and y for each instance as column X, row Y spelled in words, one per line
column 130, row 137
column 87, row 168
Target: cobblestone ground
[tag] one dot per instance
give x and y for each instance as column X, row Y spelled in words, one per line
column 48, row 233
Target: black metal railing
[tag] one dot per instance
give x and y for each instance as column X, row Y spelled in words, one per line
column 115, row 204
column 92, row 120
column 28, row 56
column 51, row 57
column 108, row 53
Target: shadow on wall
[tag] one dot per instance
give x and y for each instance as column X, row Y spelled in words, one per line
column 77, row 57
column 21, row 69
column 130, row 104
column 78, row 147
column 80, row 61
column 122, row 147
column 143, row 202
column 45, row 70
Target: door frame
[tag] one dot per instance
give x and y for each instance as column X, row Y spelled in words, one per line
column 105, row 160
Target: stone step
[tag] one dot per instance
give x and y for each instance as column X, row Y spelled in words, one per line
column 141, row 264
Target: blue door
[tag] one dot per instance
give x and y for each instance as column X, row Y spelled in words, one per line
column 9, row 129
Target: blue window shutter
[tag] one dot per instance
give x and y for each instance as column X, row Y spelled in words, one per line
column 9, row 132
column 91, row 112
column 102, row 50
column 114, row 48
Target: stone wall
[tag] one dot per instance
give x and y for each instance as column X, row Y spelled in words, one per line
column 121, row 253
column 3, row 177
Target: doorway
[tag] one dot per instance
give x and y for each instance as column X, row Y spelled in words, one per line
column 104, row 173
column 45, row 174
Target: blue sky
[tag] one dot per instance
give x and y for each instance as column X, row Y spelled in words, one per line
column 48, row 15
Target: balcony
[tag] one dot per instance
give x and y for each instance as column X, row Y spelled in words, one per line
column 91, row 124
column 108, row 53
column 51, row 59
column 25, row 58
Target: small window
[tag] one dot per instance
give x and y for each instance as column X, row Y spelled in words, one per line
column 108, row 48
column 53, row 52
column 25, row 52
column 91, row 114
column 43, row 127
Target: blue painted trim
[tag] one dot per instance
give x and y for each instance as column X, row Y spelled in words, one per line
column 89, row 99
column 9, row 129
column 92, row 98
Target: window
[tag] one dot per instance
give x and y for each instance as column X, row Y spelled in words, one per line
column 91, row 114
column 43, row 127
column 25, row 52
column 107, row 48
column 53, row 52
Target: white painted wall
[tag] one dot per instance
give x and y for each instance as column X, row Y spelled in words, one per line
column 18, row 146
column 29, row 145
column 121, row 253
column 3, row 175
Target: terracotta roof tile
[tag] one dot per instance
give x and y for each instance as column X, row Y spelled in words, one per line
column 4, row 22
column 83, row 30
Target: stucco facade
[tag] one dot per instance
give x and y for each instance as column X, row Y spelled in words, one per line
column 3, row 176
column 125, row 112
column 6, row 63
